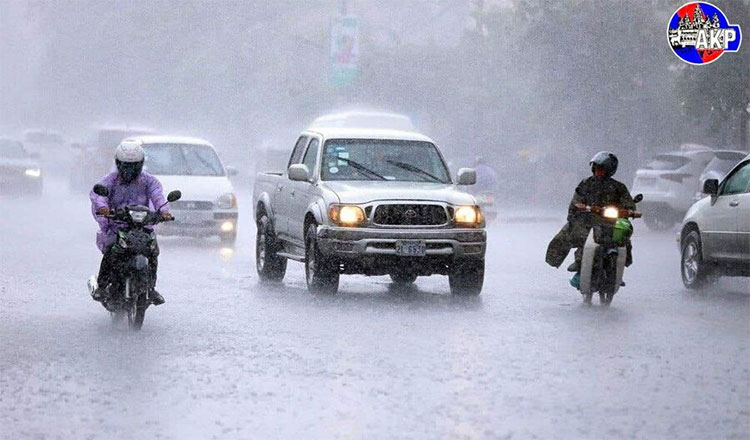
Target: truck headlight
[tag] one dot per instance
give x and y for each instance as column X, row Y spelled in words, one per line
column 227, row 201
column 468, row 216
column 33, row 172
column 345, row 215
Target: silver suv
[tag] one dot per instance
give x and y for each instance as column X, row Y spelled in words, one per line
column 669, row 183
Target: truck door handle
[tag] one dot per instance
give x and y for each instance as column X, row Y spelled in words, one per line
column 279, row 188
column 292, row 193
column 734, row 203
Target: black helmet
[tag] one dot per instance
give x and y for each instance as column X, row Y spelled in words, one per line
column 605, row 160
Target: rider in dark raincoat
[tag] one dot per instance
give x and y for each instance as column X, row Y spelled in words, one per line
column 599, row 189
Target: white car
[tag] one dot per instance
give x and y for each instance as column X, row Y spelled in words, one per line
column 715, row 234
column 669, row 183
column 208, row 206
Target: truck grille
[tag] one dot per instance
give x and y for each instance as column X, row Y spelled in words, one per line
column 410, row 215
column 186, row 205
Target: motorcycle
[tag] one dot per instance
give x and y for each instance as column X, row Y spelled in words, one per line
column 130, row 290
column 605, row 251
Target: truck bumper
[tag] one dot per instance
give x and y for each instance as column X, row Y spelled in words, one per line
column 373, row 251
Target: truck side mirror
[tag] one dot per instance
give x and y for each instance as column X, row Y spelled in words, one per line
column 467, row 176
column 711, row 186
column 299, row 172
column 638, row 198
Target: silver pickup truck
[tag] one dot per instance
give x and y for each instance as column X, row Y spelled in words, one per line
column 372, row 202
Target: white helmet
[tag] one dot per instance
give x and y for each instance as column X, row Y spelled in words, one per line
column 129, row 158
column 129, row 151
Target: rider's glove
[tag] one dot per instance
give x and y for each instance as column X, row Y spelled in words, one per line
column 166, row 216
column 103, row 211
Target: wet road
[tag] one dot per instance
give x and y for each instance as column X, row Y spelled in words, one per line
column 227, row 357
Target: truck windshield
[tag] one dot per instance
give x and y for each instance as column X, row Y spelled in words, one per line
column 379, row 159
column 182, row 160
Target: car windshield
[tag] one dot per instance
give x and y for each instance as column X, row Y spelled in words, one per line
column 12, row 149
column 376, row 159
column 723, row 162
column 182, row 160
column 666, row 162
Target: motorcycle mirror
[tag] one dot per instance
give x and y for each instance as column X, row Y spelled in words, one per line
column 101, row 190
column 174, row 196
column 638, row 198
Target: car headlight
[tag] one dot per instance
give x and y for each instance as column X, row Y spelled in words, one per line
column 345, row 215
column 468, row 216
column 33, row 172
column 611, row 212
column 227, row 201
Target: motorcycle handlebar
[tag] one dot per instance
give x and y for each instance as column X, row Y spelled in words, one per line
column 623, row 213
column 119, row 214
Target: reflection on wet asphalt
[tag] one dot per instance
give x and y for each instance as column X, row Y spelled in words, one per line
column 227, row 357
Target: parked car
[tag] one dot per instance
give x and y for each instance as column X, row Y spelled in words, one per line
column 50, row 149
column 95, row 156
column 669, row 183
column 208, row 206
column 20, row 172
column 720, row 165
column 715, row 234
column 373, row 202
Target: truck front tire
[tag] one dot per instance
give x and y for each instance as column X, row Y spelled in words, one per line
column 467, row 277
column 270, row 266
column 321, row 275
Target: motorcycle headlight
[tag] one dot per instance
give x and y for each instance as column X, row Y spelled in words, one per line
column 33, row 172
column 227, row 201
column 468, row 216
column 611, row 212
column 138, row 216
column 345, row 215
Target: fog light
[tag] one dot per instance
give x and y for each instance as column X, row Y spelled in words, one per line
column 227, row 227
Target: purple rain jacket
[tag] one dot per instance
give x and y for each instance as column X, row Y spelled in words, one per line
column 145, row 190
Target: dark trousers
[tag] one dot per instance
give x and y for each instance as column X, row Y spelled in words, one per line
column 114, row 262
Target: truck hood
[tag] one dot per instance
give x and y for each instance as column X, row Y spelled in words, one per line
column 369, row 191
column 197, row 188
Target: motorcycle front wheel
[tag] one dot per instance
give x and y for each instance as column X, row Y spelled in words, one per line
column 609, row 269
column 138, row 303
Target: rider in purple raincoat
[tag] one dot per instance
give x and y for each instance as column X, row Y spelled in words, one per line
column 129, row 185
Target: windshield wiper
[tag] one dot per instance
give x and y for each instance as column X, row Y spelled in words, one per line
column 414, row 169
column 361, row 168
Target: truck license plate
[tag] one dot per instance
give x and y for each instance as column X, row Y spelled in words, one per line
column 412, row 248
